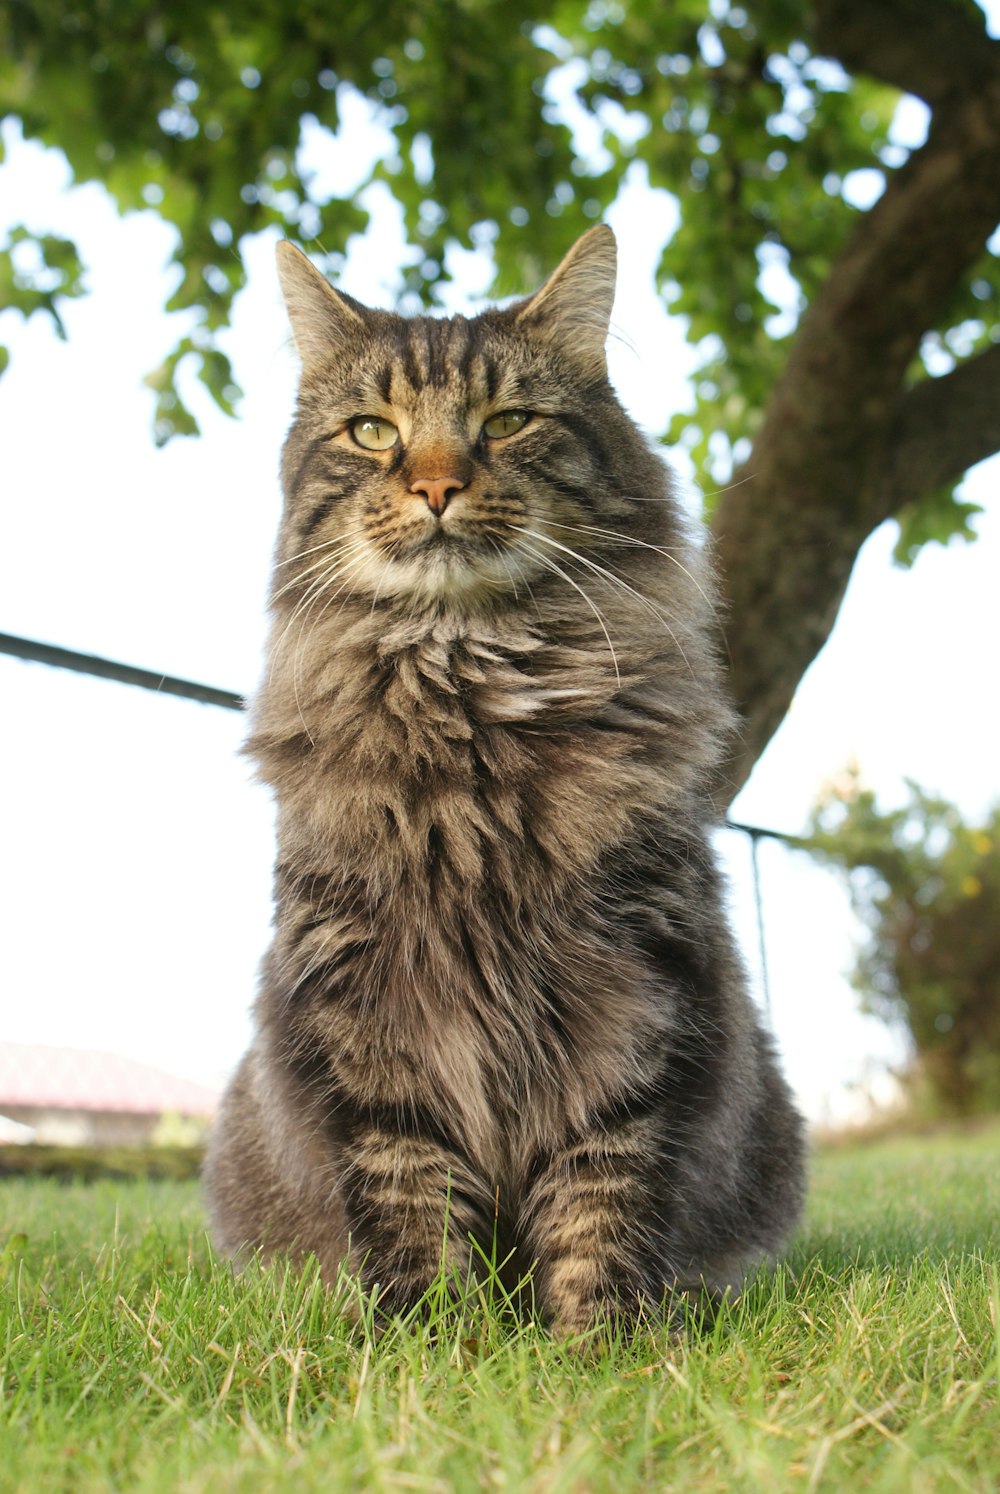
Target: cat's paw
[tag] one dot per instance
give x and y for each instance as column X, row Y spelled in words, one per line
column 590, row 1322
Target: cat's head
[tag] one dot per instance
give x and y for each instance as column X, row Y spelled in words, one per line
column 455, row 458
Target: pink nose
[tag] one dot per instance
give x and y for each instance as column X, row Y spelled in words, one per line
column 437, row 491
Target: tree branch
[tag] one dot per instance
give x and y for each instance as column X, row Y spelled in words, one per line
column 942, row 428
column 788, row 530
column 933, row 48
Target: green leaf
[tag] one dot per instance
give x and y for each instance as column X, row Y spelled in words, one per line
column 217, row 376
column 937, row 518
column 38, row 272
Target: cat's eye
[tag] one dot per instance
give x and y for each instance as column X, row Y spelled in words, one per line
column 505, row 424
column 374, row 433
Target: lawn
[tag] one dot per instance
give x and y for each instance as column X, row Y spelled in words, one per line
column 868, row 1360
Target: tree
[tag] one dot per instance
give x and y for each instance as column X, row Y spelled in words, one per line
column 868, row 399
column 927, row 887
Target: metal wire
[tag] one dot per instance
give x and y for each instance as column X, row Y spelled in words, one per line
column 111, row 669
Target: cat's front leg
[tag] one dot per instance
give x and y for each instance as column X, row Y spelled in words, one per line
column 590, row 1220
column 413, row 1203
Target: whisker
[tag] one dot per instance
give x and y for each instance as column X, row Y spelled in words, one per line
column 496, row 545
column 613, row 579
column 343, row 551
column 378, row 584
column 551, row 565
column 718, row 492
column 303, row 601
column 313, row 593
column 303, row 609
column 314, row 587
column 323, row 544
column 630, row 539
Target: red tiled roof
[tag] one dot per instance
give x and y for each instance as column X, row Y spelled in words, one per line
column 75, row 1079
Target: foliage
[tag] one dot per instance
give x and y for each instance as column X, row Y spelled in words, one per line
column 177, row 1161
column 199, row 112
column 37, row 271
column 202, row 112
column 927, row 886
column 134, row 1360
column 940, row 516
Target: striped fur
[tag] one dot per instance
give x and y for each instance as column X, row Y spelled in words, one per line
column 502, row 1002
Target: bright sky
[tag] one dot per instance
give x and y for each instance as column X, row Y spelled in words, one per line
column 135, row 879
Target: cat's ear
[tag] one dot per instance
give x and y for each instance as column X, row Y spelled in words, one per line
column 572, row 311
column 322, row 318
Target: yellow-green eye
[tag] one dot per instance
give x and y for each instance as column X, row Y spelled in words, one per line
column 374, row 433
column 505, row 424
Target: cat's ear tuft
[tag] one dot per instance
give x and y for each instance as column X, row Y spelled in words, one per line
column 322, row 318
column 572, row 311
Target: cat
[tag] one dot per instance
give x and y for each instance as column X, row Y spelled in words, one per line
column 502, row 1004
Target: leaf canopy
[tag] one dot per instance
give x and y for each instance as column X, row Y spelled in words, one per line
column 512, row 125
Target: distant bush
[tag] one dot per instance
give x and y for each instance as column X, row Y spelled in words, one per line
column 177, row 1162
column 927, row 887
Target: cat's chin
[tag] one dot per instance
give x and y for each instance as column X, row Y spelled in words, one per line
column 444, row 571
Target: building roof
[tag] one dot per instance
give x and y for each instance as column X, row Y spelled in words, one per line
column 76, row 1079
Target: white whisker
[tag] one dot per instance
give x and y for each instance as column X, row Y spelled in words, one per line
column 300, row 613
column 550, row 565
column 314, row 588
column 612, row 578
column 378, row 585
column 303, row 553
column 496, row 545
column 718, row 492
column 317, row 597
column 629, row 539
column 342, row 551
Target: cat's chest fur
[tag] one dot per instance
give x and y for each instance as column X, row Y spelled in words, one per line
column 445, row 802
column 454, row 759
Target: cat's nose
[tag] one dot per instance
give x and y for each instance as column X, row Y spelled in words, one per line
column 437, row 491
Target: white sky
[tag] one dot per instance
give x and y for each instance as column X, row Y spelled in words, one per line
column 136, row 854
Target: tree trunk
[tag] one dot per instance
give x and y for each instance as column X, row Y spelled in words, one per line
column 846, row 442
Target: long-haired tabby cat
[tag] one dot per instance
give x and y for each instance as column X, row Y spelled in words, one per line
column 502, row 1004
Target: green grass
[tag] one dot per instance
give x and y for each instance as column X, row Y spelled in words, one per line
column 869, row 1360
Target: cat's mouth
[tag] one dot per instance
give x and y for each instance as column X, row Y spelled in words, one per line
column 455, row 554
column 447, row 560
column 453, row 542
column 440, row 538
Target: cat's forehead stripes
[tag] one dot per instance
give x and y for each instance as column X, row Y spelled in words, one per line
column 476, row 365
column 437, row 354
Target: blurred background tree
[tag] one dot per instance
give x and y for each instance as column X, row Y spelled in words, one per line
column 927, row 888
column 838, row 278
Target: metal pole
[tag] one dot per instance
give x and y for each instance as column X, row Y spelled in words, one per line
column 759, row 904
